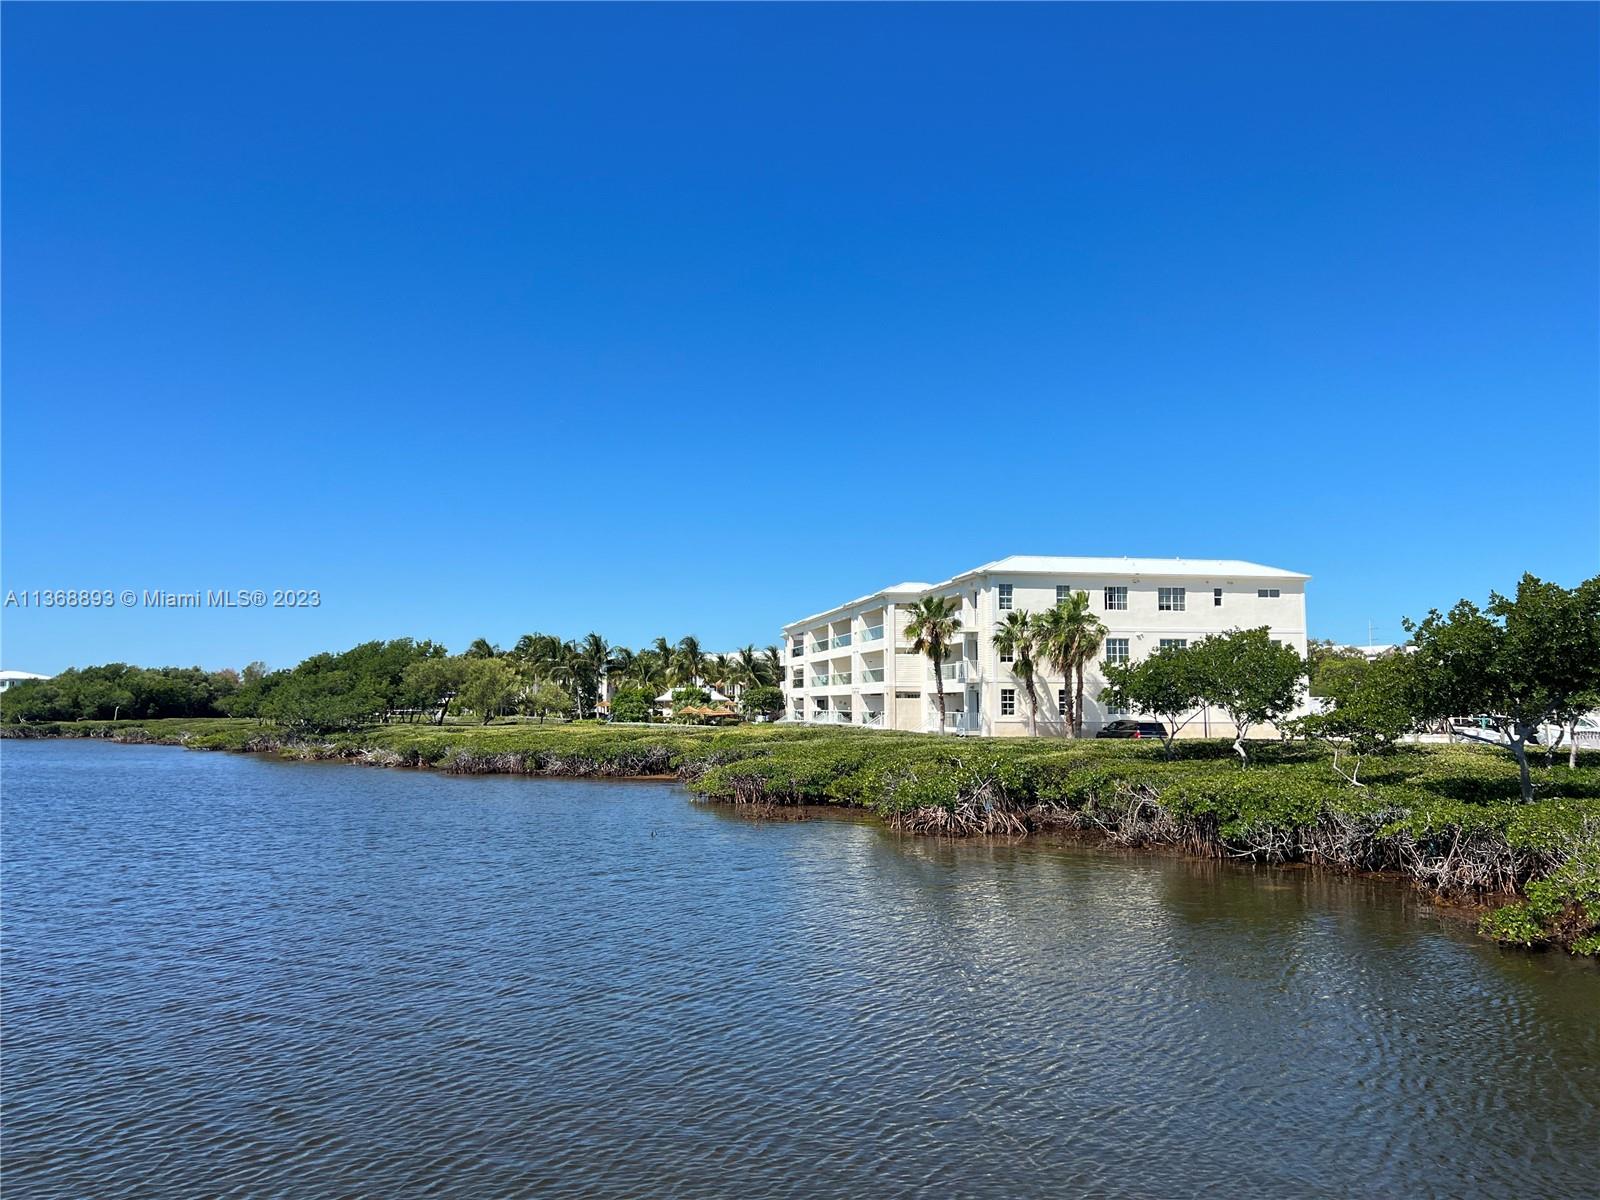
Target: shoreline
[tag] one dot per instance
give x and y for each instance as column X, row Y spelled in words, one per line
column 1086, row 794
column 1456, row 908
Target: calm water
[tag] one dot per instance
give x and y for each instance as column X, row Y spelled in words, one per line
column 231, row 976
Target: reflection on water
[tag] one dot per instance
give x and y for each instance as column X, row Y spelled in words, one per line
column 230, row 974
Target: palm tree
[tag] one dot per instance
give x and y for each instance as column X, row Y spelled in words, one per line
column 719, row 673
column 622, row 666
column 1054, row 643
column 1016, row 638
column 772, row 667
column 594, row 655
column 651, row 671
column 689, row 661
column 748, row 668
column 1072, row 636
column 932, row 625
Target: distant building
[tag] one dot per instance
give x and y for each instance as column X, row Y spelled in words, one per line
column 852, row 664
column 1370, row 653
column 7, row 678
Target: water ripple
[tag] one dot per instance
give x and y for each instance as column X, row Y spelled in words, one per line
column 232, row 977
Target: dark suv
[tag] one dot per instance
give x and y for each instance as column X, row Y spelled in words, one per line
column 1133, row 729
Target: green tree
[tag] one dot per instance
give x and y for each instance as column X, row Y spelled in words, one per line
column 1165, row 685
column 1070, row 636
column 932, row 626
column 688, row 661
column 763, row 700
column 685, row 696
column 1329, row 667
column 1250, row 677
column 1370, row 711
column 548, row 700
column 432, row 683
column 1522, row 662
column 633, row 704
column 491, row 686
column 1016, row 637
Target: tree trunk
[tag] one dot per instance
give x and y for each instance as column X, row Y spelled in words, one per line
column 1519, row 747
column 938, row 683
column 1572, row 745
column 1077, row 706
column 1238, row 743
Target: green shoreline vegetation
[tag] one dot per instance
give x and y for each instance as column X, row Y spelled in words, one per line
column 1340, row 785
column 1449, row 818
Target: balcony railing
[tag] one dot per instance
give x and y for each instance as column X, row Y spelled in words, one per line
column 872, row 633
column 841, row 641
column 951, row 672
column 955, row 722
column 839, row 677
column 819, row 680
column 872, row 675
column 827, row 716
column 819, row 647
column 872, row 717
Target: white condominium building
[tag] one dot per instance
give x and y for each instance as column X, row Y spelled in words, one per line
column 853, row 665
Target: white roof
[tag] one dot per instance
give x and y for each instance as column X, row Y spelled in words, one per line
column 666, row 696
column 1046, row 564
column 15, row 676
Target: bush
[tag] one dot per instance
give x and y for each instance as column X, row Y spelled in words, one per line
column 633, row 704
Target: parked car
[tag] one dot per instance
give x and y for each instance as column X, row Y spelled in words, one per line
column 1133, row 729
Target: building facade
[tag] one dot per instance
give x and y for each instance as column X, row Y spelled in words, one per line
column 853, row 665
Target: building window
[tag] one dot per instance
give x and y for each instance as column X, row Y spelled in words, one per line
column 797, row 647
column 1006, row 656
column 908, row 650
column 1008, row 702
column 799, row 678
column 1216, row 597
column 1267, row 593
column 1116, row 650
column 1174, row 643
column 1005, row 597
column 1113, row 710
column 1171, row 599
column 1061, row 702
column 1116, row 599
column 908, row 695
column 1063, row 592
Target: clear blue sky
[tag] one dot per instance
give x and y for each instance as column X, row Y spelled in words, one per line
column 660, row 320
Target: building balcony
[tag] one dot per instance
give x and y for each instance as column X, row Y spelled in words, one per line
column 839, row 677
column 820, row 680
column 841, row 641
column 872, row 633
column 953, row 672
column 872, row 675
